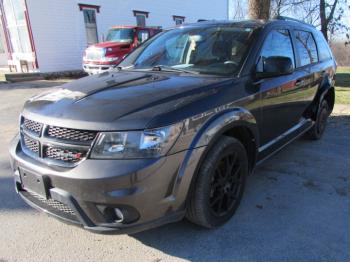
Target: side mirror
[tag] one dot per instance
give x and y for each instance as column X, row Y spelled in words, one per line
column 274, row 66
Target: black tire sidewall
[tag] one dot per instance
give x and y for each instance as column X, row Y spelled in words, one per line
column 324, row 109
column 224, row 145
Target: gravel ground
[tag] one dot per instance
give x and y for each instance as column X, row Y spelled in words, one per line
column 296, row 208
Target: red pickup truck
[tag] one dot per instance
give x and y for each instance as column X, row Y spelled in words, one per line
column 120, row 41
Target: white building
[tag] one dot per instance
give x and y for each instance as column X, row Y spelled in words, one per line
column 51, row 35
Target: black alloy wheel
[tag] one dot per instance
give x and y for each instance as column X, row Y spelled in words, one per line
column 219, row 185
column 226, row 184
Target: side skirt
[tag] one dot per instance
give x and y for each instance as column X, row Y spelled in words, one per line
column 283, row 140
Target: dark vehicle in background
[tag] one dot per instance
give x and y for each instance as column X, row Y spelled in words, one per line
column 120, row 41
column 175, row 130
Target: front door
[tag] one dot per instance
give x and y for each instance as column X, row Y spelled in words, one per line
column 280, row 95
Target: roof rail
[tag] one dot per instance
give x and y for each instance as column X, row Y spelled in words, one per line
column 286, row 18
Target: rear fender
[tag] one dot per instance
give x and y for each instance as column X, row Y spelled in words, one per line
column 325, row 87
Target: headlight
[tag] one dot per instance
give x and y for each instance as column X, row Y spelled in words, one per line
column 136, row 144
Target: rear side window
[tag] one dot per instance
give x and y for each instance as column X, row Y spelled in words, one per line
column 277, row 43
column 306, row 47
column 323, row 49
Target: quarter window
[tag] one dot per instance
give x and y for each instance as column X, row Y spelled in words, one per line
column 306, row 47
column 323, row 48
column 277, row 43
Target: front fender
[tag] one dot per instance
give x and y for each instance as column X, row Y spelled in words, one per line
column 203, row 140
column 219, row 124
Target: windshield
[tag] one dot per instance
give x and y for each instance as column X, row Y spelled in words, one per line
column 213, row 50
column 120, row 35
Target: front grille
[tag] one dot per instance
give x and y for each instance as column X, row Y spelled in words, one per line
column 65, row 155
column 51, row 206
column 31, row 144
column 53, row 203
column 32, row 126
column 71, row 134
column 55, row 145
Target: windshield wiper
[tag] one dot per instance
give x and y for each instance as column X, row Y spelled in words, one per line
column 173, row 69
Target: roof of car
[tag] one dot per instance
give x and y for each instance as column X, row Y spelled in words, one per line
column 251, row 23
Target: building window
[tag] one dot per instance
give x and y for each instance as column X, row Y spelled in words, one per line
column 179, row 20
column 140, row 17
column 89, row 13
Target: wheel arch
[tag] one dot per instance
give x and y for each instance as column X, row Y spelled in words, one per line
column 327, row 92
column 226, row 123
column 238, row 123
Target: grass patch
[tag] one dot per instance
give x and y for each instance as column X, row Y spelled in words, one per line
column 342, row 83
column 343, row 77
column 342, row 95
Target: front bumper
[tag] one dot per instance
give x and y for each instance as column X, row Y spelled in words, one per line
column 93, row 69
column 150, row 191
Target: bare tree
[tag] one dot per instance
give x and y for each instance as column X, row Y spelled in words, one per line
column 325, row 19
column 238, row 9
column 259, row 9
column 281, row 7
column 324, row 14
column 341, row 53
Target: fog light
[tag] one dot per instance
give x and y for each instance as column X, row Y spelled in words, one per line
column 119, row 215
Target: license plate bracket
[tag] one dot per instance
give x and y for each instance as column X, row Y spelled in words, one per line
column 33, row 182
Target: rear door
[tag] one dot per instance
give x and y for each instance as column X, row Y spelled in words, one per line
column 308, row 69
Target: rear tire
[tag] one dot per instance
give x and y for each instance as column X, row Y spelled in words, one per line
column 220, row 184
column 317, row 131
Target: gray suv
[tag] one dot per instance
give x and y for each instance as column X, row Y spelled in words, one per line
column 175, row 130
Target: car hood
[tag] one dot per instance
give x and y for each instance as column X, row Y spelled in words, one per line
column 126, row 100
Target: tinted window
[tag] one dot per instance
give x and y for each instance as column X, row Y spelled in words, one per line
column 323, row 49
column 306, row 47
column 277, row 43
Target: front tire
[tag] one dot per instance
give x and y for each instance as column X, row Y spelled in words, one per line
column 317, row 131
column 220, row 183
